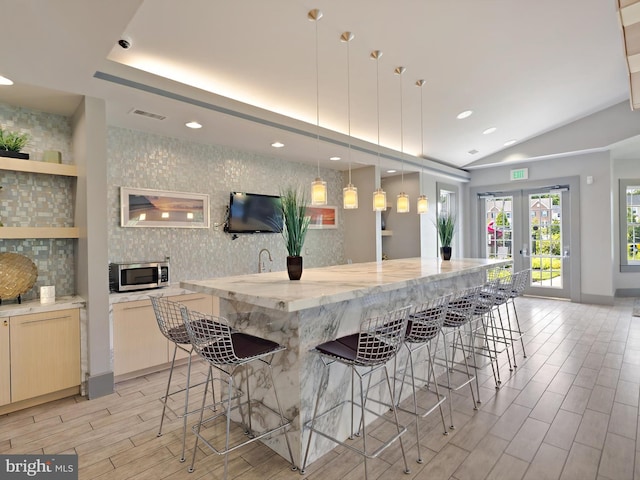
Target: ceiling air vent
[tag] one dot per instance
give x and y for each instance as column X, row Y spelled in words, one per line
column 155, row 116
column 473, row 152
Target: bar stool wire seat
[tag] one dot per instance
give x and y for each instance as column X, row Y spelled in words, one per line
column 365, row 353
column 423, row 328
column 230, row 352
column 172, row 327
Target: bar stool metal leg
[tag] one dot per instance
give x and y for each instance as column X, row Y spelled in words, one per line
column 364, row 353
column 172, row 327
column 229, row 351
column 424, row 326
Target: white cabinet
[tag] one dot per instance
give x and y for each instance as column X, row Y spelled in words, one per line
column 39, row 354
column 5, row 367
column 138, row 345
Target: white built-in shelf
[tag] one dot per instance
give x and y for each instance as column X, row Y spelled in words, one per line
column 32, row 166
column 386, row 233
column 38, row 232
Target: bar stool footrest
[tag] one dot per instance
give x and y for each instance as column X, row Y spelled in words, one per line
column 252, row 435
column 373, row 454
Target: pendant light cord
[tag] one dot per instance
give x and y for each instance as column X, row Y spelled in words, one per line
column 420, row 83
column 400, row 72
column 348, row 40
column 317, row 97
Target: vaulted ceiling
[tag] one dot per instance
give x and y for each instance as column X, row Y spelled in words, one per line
column 247, row 70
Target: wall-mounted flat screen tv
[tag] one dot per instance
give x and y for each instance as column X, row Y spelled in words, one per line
column 254, row 213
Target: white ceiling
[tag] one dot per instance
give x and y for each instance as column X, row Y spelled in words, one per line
column 524, row 67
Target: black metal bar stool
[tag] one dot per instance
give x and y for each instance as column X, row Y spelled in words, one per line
column 460, row 313
column 172, row 327
column 229, row 352
column 519, row 282
column 487, row 330
column 423, row 327
column 365, row 353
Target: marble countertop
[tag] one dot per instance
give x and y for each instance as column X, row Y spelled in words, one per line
column 168, row 291
column 34, row 306
column 326, row 285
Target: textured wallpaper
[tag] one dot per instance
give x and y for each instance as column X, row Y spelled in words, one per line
column 37, row 200
column 141, row 160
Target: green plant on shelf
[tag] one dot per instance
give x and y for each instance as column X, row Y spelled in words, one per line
column 13, row 141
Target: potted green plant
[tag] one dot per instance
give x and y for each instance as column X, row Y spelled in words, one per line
column 296, row 223
column 446, row 226
column 12, row 142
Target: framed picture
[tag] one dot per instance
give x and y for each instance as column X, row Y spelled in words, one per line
column 323, row 217
column 141, row 207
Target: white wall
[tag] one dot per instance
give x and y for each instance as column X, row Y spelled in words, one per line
column 360, row 224
column 622, row 169
column 596, row 222
column 405, row 241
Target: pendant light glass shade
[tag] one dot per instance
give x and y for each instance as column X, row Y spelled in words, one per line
column 402, row 204
column 379, row 200
column 318, row 192
column 350, row 197
column 423, row 204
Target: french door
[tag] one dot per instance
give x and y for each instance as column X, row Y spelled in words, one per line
column 533, row 229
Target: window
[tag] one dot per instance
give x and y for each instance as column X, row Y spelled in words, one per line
column 629, row 225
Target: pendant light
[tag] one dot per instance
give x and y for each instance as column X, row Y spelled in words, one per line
column 350, row 192
column 402, row 202
column 379, row 196
column 318, row 186
column 423, row 201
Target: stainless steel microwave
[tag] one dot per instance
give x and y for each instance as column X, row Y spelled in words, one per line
column 125, row 277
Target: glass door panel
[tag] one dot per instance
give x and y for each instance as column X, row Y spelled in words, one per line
column 545, row 239
column 499, row 227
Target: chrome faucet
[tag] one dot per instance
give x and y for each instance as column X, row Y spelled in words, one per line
column 261, row 267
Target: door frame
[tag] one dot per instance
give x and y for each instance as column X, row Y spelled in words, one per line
column 477, row 228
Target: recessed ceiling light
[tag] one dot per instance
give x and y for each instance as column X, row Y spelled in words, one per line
column 465, row 114
column 391, row 171
column 335, row 159
column 509, row 142
column 277, row 144
column 193, row 125
column 489, row 130
column 5, row 81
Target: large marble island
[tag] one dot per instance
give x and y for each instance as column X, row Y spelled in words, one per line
column 327, row 303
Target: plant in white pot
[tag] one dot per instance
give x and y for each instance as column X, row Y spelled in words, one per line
column 296, row 223
column 446, row 226
column 12, row 142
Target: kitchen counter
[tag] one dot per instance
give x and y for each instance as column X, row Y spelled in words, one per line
column 34, row 306
column 325, row 304
column 338, row 283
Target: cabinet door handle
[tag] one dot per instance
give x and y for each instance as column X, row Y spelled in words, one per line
column 45, row 320
column 5, row 323
column 136, row 307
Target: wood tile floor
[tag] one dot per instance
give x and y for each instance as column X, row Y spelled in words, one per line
column 568, row 411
